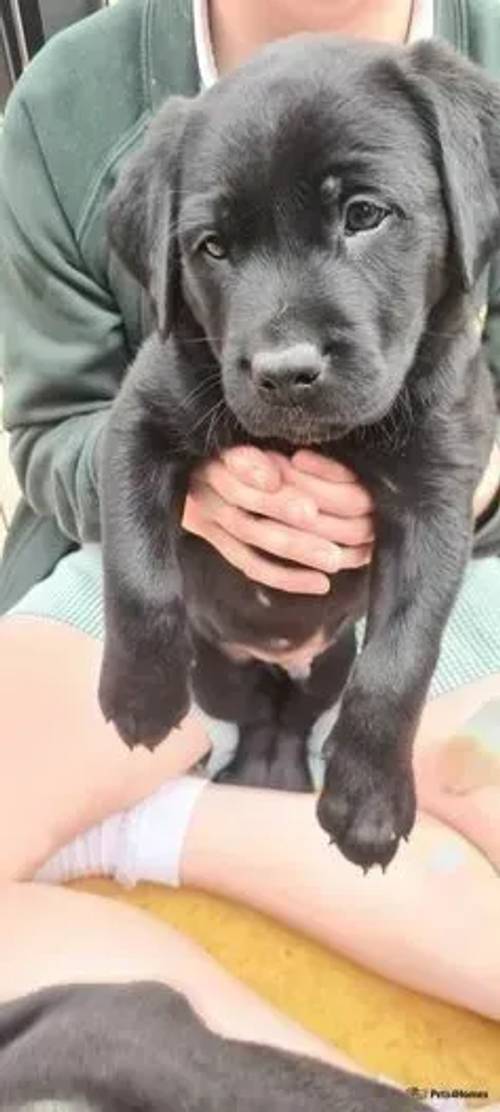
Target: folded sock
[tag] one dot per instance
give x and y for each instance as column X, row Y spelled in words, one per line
column 142, row 844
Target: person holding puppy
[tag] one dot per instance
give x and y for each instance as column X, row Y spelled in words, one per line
column 73, row 800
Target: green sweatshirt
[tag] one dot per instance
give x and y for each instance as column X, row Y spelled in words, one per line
column 71, row 318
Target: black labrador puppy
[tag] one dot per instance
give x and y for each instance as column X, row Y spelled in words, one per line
column 311, row 232
column 122, row 1048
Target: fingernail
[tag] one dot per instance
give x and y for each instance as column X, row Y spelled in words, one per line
column 259, row 478
column 327, row 557
column 320, row 586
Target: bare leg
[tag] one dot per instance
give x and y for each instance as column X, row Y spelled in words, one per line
column 411, row 925
column 263, row 848
column 87, row 939
column 62, row 767
column 475, row 810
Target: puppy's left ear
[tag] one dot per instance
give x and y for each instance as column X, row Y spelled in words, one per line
column 459, row 106
column 142, row 211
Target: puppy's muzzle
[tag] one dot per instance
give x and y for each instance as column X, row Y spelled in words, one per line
column 290, row 375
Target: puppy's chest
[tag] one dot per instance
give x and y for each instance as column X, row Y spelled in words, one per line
column 296, row 660
column 250, row 621
column 392, row 478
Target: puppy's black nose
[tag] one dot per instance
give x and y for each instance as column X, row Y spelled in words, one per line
column 287, row 374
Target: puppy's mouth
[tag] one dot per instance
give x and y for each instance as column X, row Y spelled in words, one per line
column 293, row 395
column 292, row 424
column 301, row 425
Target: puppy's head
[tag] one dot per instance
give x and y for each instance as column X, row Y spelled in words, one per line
column 312, row 209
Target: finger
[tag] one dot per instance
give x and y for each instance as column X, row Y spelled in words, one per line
column 193, row 518
column 489, row 485
column 340, row 530
column 251, row 465
column 345, row 530
column 265, row 572
column 280, row 539
column 312, row 463
column 285, row 541
column 287, row 579
column 355, row 557
column 272, row 575
column 271, row 536
column 286, row 504
column 343, row 499
column 282, row 464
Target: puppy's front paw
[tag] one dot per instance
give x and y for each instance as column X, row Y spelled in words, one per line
column 144, row 702
column 366, row 808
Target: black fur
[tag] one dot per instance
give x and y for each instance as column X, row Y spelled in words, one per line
column 364, row 345
column 125, row 1048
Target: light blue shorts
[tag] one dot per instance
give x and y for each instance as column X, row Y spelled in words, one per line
column 470, row 650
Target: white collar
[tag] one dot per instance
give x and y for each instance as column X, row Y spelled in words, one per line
column 422, row 22
column 203, row 42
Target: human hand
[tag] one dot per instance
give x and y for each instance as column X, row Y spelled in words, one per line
column 489, row 485
column 307, row 510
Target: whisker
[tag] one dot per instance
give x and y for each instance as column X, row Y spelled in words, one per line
column 205, row 416
column 215, row 420
column 205, row 339
column 199, row 390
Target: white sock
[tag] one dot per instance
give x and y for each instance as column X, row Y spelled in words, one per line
column 143, row 843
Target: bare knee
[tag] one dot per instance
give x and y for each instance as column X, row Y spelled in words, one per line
column 63, row 768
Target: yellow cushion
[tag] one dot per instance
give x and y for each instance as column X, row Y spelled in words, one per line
column 390, row 1030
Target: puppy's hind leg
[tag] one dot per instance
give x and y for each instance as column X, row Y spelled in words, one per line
column 247, row 694
column 274, row 715
column 306, row 701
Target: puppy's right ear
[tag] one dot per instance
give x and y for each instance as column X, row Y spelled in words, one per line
column 142, row 211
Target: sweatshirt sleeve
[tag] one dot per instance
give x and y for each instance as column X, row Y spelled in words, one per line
column 65, row 349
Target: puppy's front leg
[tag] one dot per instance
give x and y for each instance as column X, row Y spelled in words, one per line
column 368, row 801
column 144, row 677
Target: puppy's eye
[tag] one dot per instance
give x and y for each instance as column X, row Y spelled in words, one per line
column 363, row 216
column 213, row 246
